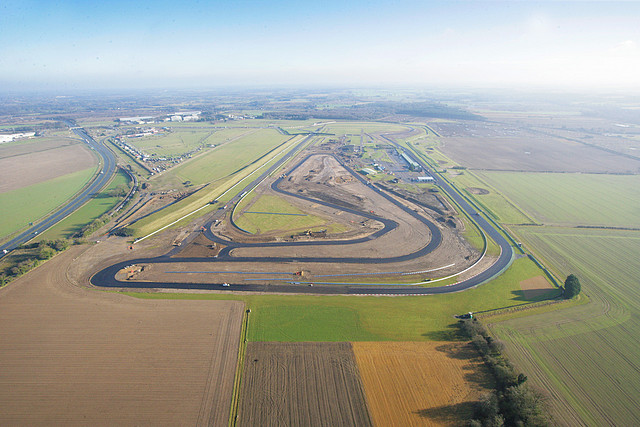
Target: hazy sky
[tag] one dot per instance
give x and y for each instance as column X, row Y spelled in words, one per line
column 123, row 44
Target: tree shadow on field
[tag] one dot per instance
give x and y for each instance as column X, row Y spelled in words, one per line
column 451, row 333
column 535, row 295
column 448, row 414
column 458, row 350
column 519, row 296
column 101, row 196
column 475, row 371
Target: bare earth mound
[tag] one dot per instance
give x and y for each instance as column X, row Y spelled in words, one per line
column 420, row 383
column 70, row 356
column 301, row 384
column 479, row 191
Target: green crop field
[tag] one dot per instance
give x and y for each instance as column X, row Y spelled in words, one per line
column 354, row 128
column 571, row 199
column 494, row 203
column 182, row 140
column 28, row 204
column 589, row 353
column 172, row 143
column 263, row 223
column 92, row 210
column 229, row 157
column 355, row 318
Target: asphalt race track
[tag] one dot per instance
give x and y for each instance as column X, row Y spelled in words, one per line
column 106, row 277
column 100, row 180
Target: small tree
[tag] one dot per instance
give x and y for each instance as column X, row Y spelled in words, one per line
column 571, row 286
column 46, row 252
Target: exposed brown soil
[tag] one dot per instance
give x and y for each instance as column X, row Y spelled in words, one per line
column 301, row 384
column 72, row 356
column 488, row 146
column 201, row 247
column 148, row 203
column 27, row 164
column 421, row 383
column 535, row 287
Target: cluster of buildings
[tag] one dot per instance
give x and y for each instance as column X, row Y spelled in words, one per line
column 145, row 132
column 14, row 136
column 130, row 149
column 180, row 116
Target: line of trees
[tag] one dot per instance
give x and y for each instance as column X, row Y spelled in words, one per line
column 38, row 252
column 92, row 226
column 514, row 402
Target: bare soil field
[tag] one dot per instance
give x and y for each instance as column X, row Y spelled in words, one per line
column 71, row 356
column 301, row 384
column 26, row 164
column 535, row 287
column 420, row 383
column 501, row 147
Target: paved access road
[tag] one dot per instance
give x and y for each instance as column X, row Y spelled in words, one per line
column 106, row 277
column 108, row 167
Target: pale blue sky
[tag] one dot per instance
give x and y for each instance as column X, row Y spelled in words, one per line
column 125, row 44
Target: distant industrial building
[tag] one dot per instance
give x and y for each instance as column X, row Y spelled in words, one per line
column 367, row 171
column 412, row 165
column 425, row 179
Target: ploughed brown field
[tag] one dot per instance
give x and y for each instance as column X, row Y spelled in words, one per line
column 30, row 163
column 70, row 356
column 420, row 383
column 301, row 384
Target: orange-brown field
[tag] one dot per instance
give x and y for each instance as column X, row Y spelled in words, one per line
column 535, row 287
column 420, row 383
column 70, row 356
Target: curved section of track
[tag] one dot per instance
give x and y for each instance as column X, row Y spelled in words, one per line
column 106, row 277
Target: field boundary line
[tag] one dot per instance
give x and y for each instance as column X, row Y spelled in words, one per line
column 235, row 397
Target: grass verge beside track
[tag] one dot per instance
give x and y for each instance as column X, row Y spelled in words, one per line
column 93, row 209
column 359, row 318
